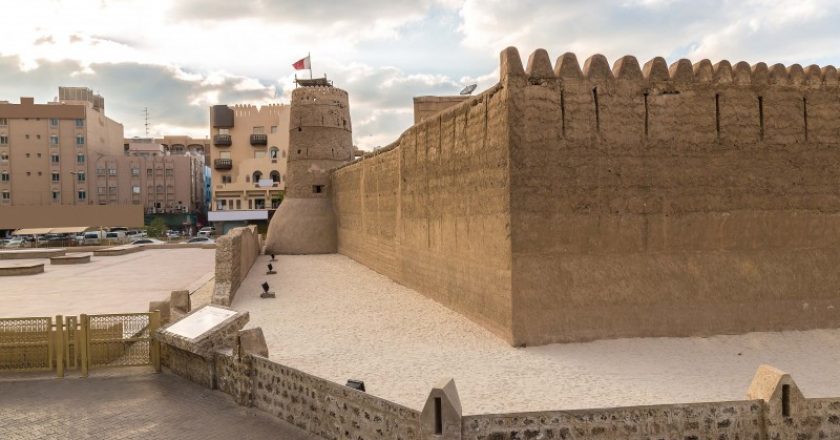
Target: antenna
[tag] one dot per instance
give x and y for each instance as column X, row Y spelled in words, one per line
column 146, row 113
column 468, row 89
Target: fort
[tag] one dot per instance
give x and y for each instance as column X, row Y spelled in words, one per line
column 570, row 204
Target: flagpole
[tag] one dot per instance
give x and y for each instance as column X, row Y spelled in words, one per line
column 310, row 64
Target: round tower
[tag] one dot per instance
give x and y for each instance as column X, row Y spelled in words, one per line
column 320, row 139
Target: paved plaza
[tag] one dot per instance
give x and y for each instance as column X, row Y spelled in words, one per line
column 338, row 319
column 113, row 284
column 143, row 407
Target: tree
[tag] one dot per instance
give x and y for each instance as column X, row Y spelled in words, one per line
column 157, row 228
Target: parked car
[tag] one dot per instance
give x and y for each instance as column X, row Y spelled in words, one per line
column 207, row 231
column 116, row 236
column 146, row 241
column 93, row 237
column 173, row 234
column 200, row 240
column 15, row 242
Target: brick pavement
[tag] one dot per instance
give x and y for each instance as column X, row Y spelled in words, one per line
column 144, row 406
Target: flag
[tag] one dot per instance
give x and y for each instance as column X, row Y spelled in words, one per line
column 302, row 64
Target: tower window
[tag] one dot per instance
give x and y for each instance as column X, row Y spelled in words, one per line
column 317, row 189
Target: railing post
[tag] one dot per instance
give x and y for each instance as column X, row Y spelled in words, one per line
column 154, row 344
column 59, row 346
column 83, row 343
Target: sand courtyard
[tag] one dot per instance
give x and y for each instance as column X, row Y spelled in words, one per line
column 112, row 284
column 338, row 320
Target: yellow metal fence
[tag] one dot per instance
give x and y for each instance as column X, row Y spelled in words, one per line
column 79, row 343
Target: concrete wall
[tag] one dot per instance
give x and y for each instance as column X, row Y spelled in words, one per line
column 431, row 211
column 236, row 252
column 15, row 217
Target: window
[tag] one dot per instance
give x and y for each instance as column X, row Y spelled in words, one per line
column 135, row 171
column 259, row 130
column 6, row 195
column 170, row 172
column 39, row 154
column 80, row 140
column 100, row 190
column 135, row 189
column 53, row 140
column 27, row 136
column 80, row 176
column 37, row 136
column 160, row 188
column 112, row 189
column 112, row 171
column 224, row 155
column 4, row 140
column 4, row 121
column 273, row 129
column 259, row 154
column 27, row 154
column 149, row 172
column 82, row 195
column 224, row 131
column 257, row 176
column 56, row 177
column 56, row 195
column 317, row 189
column 80, row 158
column 273, row 152
column 226, row 179
column 53, row 122
column 80, row 122
column 4, row 156
column 4, row 176
column 275, row 176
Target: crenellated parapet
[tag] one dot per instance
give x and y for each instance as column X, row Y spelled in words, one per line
column 628, row 68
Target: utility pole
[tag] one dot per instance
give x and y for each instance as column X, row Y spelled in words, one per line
column 146, row 113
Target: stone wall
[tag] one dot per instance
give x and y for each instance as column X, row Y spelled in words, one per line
column 431, row 211
column 681, row 201
column 571, row 204
column 236, row 252
column 327, row 409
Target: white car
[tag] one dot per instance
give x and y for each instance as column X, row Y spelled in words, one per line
column 200, row 240
column 143, row 241
column 15, row 242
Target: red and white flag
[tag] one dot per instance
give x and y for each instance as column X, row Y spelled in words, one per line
column 302, row 64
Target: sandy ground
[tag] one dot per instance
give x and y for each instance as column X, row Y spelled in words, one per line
column 124, row 283
column 337, row 319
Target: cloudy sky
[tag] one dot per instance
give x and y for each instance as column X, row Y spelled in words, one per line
column 177, row 57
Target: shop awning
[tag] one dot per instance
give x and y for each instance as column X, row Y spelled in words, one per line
column 42, row 231
column 32, row 231
column 71, row 230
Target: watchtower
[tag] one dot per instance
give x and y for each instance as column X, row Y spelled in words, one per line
column 320, row 139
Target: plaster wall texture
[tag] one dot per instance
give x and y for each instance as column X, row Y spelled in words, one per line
column 572, row 204
column 432, row 210
column 426, row 106
column 236, row 252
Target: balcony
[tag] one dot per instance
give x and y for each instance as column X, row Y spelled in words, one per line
column 221, row 140
column 259, row 139
column 223, row 164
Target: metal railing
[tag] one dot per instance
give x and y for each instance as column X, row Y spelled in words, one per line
column 79, row 343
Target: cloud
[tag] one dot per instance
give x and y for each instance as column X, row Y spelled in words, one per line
column 175, row 101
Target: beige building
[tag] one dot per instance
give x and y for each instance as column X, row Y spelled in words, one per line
column 162, row 179
column 48, row 152
column 248, row 160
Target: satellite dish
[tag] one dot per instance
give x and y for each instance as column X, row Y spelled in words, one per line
column 468, row 89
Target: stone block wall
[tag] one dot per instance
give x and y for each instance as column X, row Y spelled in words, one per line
column 431, row 211
column 327, row 409
column 236, row 252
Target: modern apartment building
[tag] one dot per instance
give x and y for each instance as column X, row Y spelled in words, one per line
column 163, row 181
column 48, row 155
column 248, row 157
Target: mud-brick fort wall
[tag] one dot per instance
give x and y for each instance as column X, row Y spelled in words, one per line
column 431, row 211
column 572, row 202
